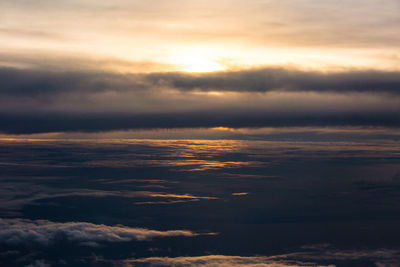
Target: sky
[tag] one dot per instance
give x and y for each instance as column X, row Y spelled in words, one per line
column 132, row 36
column 181, row 133
column 95, row 66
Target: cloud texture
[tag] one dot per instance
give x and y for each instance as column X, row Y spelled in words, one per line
column 34, row 101
column 383, row 257
column 20, row 231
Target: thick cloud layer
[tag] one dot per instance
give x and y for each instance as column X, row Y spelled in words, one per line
column 34, row 101
column 29, row 83
column 37, row 123
column 280, row 79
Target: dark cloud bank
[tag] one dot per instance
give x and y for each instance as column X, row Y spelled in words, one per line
column 41, row 122
column 30, row 82
column 280, row 79
column 34, row 101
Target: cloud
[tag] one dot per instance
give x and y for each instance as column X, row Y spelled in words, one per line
column 39, row 263
column 328, row 255
column 74, row 62
column 15, row 195
column 178, row 196
column 285, row 23
column 240, row 194
column 213, row 260
column 47, row 122
column 35, row 101
column 35, row 83
column 342, row 255
column 21, row 231
column 281, row 79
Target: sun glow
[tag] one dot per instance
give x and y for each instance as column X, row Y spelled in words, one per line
column 197, row 60
column 201, row 65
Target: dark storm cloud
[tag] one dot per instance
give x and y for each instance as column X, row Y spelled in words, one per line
column 34, row 101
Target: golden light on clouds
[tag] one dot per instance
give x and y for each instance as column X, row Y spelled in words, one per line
column 204, row 36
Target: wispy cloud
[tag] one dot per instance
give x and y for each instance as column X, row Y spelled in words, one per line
column 21, row 231
column 214, row 260
column 330, row 257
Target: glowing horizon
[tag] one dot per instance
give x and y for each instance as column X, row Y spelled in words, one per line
column 200, row 37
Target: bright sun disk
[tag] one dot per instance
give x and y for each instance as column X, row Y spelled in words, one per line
column 197, row 60
column 201, row 65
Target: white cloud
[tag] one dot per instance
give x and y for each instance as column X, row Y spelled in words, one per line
column 20, row 231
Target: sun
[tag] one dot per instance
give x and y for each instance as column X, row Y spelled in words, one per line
column 201, row 65
column 197, row 60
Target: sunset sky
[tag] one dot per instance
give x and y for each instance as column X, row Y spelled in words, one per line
column 207, row 133
column 88, row 66
column 199, row 36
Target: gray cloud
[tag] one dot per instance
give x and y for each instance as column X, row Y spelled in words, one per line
column 30, row 83
column 281, row 79
column 42, row 122
column 34, row 101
